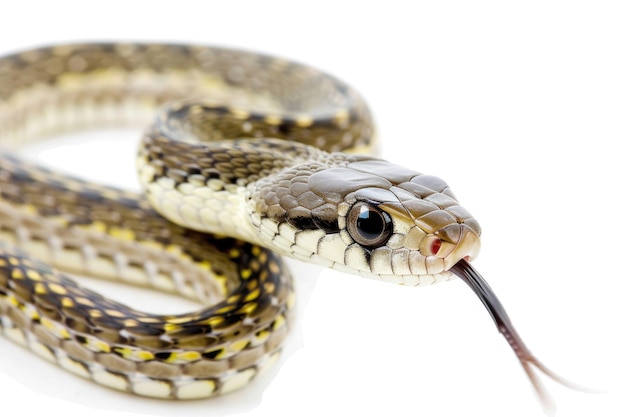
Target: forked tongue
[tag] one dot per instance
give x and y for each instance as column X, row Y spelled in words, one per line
column 530, row 363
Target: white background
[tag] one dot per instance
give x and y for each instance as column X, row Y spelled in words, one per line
column 520, row 106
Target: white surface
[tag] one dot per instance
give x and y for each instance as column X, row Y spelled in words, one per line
column 519, row 107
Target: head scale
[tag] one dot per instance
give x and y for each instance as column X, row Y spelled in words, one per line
column 367, row 216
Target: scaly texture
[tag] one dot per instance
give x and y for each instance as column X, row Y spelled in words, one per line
column 248, row 146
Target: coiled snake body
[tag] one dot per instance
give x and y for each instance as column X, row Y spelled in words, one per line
column 246, row 163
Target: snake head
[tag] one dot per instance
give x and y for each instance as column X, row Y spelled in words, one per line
column 367, row 216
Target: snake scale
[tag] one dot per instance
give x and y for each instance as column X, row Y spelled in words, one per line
column 246, row 158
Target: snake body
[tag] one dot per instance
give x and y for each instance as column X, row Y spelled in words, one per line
column 248, row 157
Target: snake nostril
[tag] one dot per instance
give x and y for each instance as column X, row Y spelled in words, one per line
column 435, row 246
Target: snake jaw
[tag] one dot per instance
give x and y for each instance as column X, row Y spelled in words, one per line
column 466, row 246
column 437, row 236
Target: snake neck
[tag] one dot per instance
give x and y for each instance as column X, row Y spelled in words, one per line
column 216, row 168
column 214, row 188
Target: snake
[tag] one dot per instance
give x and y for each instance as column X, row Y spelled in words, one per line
column 245, row 159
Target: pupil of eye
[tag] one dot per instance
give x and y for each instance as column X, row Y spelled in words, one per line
column 370, row 224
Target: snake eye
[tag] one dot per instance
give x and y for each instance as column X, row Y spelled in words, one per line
column 368, row 225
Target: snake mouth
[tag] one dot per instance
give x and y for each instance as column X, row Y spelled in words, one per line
column 465, row 244
column 464, row 270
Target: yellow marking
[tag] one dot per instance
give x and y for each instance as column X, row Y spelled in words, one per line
column 144, row 355
column 130, row 323
column 238, row 346
column 177, row 320
column 134, row 355
column 67, row 302
column 124, row 352
column 175, row 249
column 273, row 266
column 114, row 313
column 47, row 323
column 101, row 77
column 17, row 274
column 240, row 114
column 13, row 301
column 213, row 321
column 189, row 356
column 32, row 313
column 232, row 299
column 97, row 346
column 57, row 289
column 341, row 117
column 253, row 295
column 279, row 322
column 30, row 209
column 246, row 273
column 360, row 150
column 261, row 336
column 34, row 275
column 272, row 120
column 221, row 281
column 304, row 120
column 256, row 251
column 269, row 287
column 122, row 234
column 170, row 327
column 206, row 265
column 85, row 301
column 225, row 309
column 218, row 356
column 56, row 329
column 3, row 262
column 96, row 226
column 95, row 313
column 149, row 320
column 234, row 253
column 152, row 244
column 247, row 308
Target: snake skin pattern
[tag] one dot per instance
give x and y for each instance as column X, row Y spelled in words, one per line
column 244, row 163
column 296, row 198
